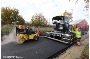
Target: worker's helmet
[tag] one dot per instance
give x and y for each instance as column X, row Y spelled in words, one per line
column 77, row 29
column 20, row 27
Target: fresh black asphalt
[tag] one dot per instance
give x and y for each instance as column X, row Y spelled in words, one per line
column 41, row 49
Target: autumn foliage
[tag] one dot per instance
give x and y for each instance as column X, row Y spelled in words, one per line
column 38, row 20
column 11, row 16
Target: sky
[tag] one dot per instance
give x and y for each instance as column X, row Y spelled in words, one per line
column 48, row 8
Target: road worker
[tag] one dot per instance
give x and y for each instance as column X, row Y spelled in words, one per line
column 24, row 29
column 38, row 31
column 20, row 27
column 78, row 36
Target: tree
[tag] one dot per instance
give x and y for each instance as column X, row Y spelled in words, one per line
column 68, row 14
column 86, row 6
column 20, row 20
column 9, row 16
column 86, row 1
column 39, row 20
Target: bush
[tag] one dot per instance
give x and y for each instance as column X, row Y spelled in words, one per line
column 86, row 51
column 6, row 29
column 43, row 30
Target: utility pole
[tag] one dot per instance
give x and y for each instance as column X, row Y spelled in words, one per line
column 72, row 14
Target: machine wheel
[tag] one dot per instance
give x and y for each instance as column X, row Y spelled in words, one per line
column 35, row 38
column 20, row 40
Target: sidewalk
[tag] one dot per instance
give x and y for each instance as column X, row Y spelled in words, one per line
column 75, row 51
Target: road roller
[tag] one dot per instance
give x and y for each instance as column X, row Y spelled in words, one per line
column 23, row 34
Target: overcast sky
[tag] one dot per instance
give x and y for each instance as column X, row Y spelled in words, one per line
column 48, row 8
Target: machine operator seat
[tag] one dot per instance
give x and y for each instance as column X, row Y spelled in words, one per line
column 61, row 23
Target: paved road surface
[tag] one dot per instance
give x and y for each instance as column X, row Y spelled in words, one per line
column 41, row 49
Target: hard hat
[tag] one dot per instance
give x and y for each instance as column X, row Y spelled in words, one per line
column 20, row 26
column 77, row 29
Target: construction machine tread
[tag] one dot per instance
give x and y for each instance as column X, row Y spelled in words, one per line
column 58, row 40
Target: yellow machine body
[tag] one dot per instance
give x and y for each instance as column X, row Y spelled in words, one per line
column 73, row 28
column 22, row 37
column 32, row 36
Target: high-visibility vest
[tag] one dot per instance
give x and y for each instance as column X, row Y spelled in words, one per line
column 78, row 34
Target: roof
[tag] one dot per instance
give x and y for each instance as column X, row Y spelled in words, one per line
column 78, row 21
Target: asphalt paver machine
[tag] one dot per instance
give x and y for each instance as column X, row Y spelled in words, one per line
column 62, row 32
